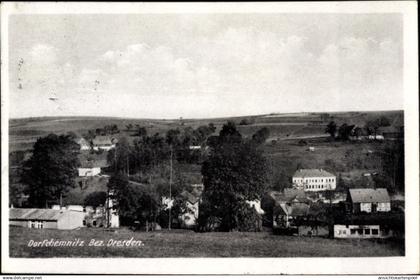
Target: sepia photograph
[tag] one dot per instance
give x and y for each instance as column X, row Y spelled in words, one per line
column 191, row 132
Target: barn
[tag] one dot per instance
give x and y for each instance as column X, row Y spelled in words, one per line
column 46, row 218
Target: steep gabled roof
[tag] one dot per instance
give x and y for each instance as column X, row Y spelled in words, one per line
column 189, row 197
column 304, row 173
column 369, row 195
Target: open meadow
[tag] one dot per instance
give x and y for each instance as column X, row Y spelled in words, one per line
column 184, row 243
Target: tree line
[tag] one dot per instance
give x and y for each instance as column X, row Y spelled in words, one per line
column 344, row 131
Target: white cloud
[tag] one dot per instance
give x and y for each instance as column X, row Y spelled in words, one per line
column 236, row 71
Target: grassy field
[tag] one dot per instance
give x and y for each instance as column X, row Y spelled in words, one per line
column 179, row 243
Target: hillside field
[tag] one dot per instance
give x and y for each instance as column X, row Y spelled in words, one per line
column 24, row 132
column 183, row 243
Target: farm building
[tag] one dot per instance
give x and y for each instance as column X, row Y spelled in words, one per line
column 313, row 180
column 369, row 200
column 360, row 231
column 103, row 143
column 46, row 218
column 91, row 167
column 83, row 143
column 284, row 214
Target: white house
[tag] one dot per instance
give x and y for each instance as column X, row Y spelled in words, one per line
column 91, row 167
column 103, row 143
column 369, row 200
column 89, row 171
column 313, row 180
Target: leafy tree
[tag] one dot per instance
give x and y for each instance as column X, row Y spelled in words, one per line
column 51, row 170
column 173, row 138
column 393, row 165
column 261, row 135
column 331, row 129
column 384, row 121
column 119, row 157
column 245, row 122
column 95, row 199
column 344, row 131
column 372, row 126
column 141, row 131
column 212, row 127
column 234, row 172
column 129, row 126
column 134, row 202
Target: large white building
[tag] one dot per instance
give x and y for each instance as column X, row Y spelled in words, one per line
column 313, row 180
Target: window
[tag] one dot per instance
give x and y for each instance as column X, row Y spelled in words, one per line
column 367, row 231
column 352, row 231
column 360, row 231
column 84, row 222
column 94, row 223
column 375, row 231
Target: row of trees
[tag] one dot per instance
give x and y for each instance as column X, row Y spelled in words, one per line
column 344, row 131
column 106, row 130
column 147, row 152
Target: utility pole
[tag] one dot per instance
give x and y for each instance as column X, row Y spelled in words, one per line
column 170, row 191
column 128, row 167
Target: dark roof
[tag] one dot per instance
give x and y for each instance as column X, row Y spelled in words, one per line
column 102, row 140
column 34, row 214
column 192, row 198
column 303, row 173
column 293, row 209
column 88, row 160
column 93, row 163
column 289, row 195
column 369, row 195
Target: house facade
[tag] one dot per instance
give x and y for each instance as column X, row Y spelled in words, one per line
column 360, row 231
column 369, row 200
column 89, row 171
column 46, row 218
column 313, row 180
column 103, row 143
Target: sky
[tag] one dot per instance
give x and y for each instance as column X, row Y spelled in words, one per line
column 203, row 66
